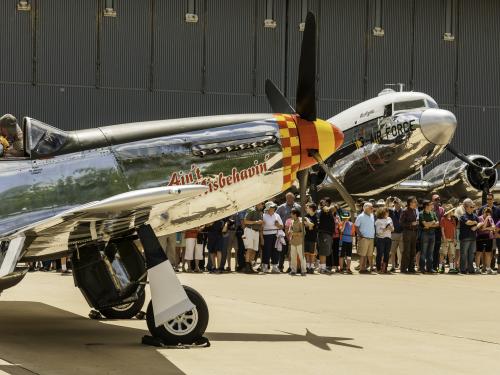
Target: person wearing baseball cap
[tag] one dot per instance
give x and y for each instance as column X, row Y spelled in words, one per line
column 10, row 130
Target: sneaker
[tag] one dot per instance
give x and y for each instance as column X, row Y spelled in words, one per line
column 275, row 270
column 393, row 269
column 441, row 270
column 489, row 271
column 349, row 272
column 453, row 271
column 477, row 271
column 324, row 272
column 364, row 272
column 292, row 273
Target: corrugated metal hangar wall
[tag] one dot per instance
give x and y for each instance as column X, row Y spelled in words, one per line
column 67, row 64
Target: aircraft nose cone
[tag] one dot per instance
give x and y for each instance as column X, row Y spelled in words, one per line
column 438, row 125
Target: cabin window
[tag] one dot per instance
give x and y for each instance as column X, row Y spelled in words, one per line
column 412, row 104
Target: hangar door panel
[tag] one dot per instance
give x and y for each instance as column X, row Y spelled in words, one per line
column 66, row 42
column 270, row 52
column 342, row 49
column 434, row 67
column 125, row 46
column 389, row 57
column 229, row 49
column 479, row 53
column 178, row 48
column 15, row 37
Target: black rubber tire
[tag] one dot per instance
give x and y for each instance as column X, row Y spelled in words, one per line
column 129, row 313
column 172, row 339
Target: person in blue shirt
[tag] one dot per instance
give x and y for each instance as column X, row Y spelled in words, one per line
column 365, row 228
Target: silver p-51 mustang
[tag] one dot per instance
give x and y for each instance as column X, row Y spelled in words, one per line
column 92, row 193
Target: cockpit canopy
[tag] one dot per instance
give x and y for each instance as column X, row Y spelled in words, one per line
column 41, row 139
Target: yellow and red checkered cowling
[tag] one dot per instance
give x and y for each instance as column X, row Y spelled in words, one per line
column 291, row 148
column 298, row 136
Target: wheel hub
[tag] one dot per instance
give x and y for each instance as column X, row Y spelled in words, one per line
column 183, row 324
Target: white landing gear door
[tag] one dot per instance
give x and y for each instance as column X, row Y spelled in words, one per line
column 168, row 295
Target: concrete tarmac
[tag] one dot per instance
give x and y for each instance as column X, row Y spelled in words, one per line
column 342, row 324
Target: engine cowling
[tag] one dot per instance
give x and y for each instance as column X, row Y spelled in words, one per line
column 459, row 179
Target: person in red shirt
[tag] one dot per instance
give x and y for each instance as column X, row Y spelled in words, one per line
column 448, row 226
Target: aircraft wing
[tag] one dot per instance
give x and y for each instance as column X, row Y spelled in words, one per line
column 102, row 219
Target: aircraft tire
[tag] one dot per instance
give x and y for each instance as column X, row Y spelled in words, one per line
column 190, row 326
column 127, row 311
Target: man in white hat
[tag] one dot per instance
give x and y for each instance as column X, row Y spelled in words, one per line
column 272, row 224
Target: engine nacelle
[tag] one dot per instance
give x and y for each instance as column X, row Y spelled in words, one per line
column 457, row 179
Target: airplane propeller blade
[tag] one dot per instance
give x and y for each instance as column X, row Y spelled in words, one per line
column 277, row 100
column 306, row 85
column 461, row 156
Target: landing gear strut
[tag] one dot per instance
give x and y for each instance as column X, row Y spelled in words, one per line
column 176, row 314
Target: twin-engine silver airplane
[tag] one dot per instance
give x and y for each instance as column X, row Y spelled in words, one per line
column 91, row 193
column 390, row 138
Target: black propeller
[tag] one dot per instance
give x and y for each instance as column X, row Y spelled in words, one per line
column 306, row 83
column 482, row 174
column 306, row 92
column 306, row 105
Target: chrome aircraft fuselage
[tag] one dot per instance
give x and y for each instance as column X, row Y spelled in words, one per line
column 242, row 159
column 391, row 137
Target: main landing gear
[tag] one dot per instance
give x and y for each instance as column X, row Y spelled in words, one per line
column 112, row 278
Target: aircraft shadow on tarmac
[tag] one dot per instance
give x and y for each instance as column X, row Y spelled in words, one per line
column 43, row 339
column 320, row 342
column 47, row 340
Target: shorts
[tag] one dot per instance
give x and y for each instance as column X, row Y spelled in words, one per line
column 309, row 247
column 215, row 245
column 325, row 241
column 193, row 250
column 365, row 247
column 251, row 239
column 484, row 245
column 448, row 248
column 346, row 249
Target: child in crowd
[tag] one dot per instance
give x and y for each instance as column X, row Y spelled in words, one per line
column 347, row 233
column 383, row 230
column 448, row 226
column 311, row 236
column 296, row 232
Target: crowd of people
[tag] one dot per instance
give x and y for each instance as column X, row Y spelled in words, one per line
column 389, row 235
